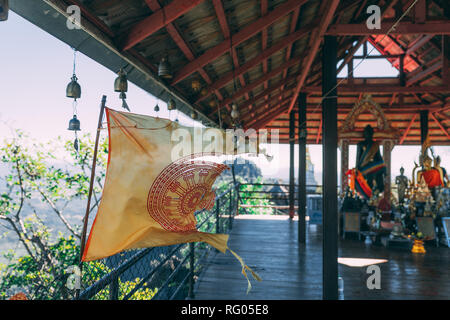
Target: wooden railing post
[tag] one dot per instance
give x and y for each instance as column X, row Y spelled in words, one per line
column 191, row 271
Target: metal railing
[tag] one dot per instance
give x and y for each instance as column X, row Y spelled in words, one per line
column 159, row 272
column 273, row 196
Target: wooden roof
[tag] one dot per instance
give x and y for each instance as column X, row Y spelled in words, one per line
column 261, row 54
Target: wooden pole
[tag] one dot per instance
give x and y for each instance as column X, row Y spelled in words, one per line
column 423, row 125
column 291, row 163
column 302, row 133
column 91, row 184
column 329, row 143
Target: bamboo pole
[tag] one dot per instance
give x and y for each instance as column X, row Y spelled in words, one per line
column 91, row 184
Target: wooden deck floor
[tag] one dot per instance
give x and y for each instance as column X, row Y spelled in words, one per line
column 294, row 272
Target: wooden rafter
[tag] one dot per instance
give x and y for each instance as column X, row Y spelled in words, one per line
column 157, row 20
column 376, row 88
column 220, row 12
column 444, row 130
column 353, row 29
column 405, row 134
column 236, row 39
column 263, row 56
column 277, row 86
column 259, row 82
column 176, row 36
column 323, row 25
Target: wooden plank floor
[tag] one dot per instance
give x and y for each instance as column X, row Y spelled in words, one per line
column 294, row 272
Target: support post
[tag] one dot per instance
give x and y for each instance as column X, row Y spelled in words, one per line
column 329, row 143
column 423, row 125
column 387, row 149
column 344, row 165
column 402, row 70
column 302, row 133
column 291, row 163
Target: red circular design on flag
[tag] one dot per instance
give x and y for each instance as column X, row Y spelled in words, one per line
column 181, row 189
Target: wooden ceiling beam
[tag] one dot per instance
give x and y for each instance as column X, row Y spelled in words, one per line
column 259, row 81
column 375, row 88
column 361, row 41
column 261, row 122
column 418, row 44
column 278, row 86
column 293, row 26
column 317, row 36
column 444, row 130
column 176, row 36
column 279, row 97
column 220, row 13
column 236, row 39
column 157, row 20
column 424, row 73
column 354, row 29
column 263, row 56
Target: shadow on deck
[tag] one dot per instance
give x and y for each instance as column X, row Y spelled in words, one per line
column 294, row 272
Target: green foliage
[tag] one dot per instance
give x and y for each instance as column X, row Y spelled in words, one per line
column 36, row 171
column 251, row 191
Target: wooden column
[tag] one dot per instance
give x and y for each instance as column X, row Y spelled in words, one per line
column 388, row 145
column 302, row 133
column 445, row 57
column 423, row 125
column 291, row 163
column 344, row 164
column 329, row 143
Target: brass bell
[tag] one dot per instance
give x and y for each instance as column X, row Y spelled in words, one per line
column 74, row 124
column 171, row 105
column 194, row 115
column 121, row 82
column 196, row 85
column 164, row 69
column 73, row 89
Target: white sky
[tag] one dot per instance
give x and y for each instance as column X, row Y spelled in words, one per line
column 35, row 69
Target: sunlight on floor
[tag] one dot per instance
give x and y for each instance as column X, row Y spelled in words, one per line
column 360, row 262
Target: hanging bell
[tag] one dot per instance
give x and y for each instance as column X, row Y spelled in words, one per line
column 194, row 115
column 196, row 85
column 73, row 89
column 164, row 69
column 156, row 108
column 123, row 96
column 234, row 111
column 74, row 124
column 171, row 105
column 121, row 82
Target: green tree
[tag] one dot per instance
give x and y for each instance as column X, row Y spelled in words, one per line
column 40, row 273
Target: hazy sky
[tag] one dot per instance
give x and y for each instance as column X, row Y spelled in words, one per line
column 35, row 69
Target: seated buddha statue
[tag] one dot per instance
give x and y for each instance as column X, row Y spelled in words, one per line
column 432, row 176
column 370, row 162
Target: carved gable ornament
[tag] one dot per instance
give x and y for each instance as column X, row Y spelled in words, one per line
column 383, row 129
